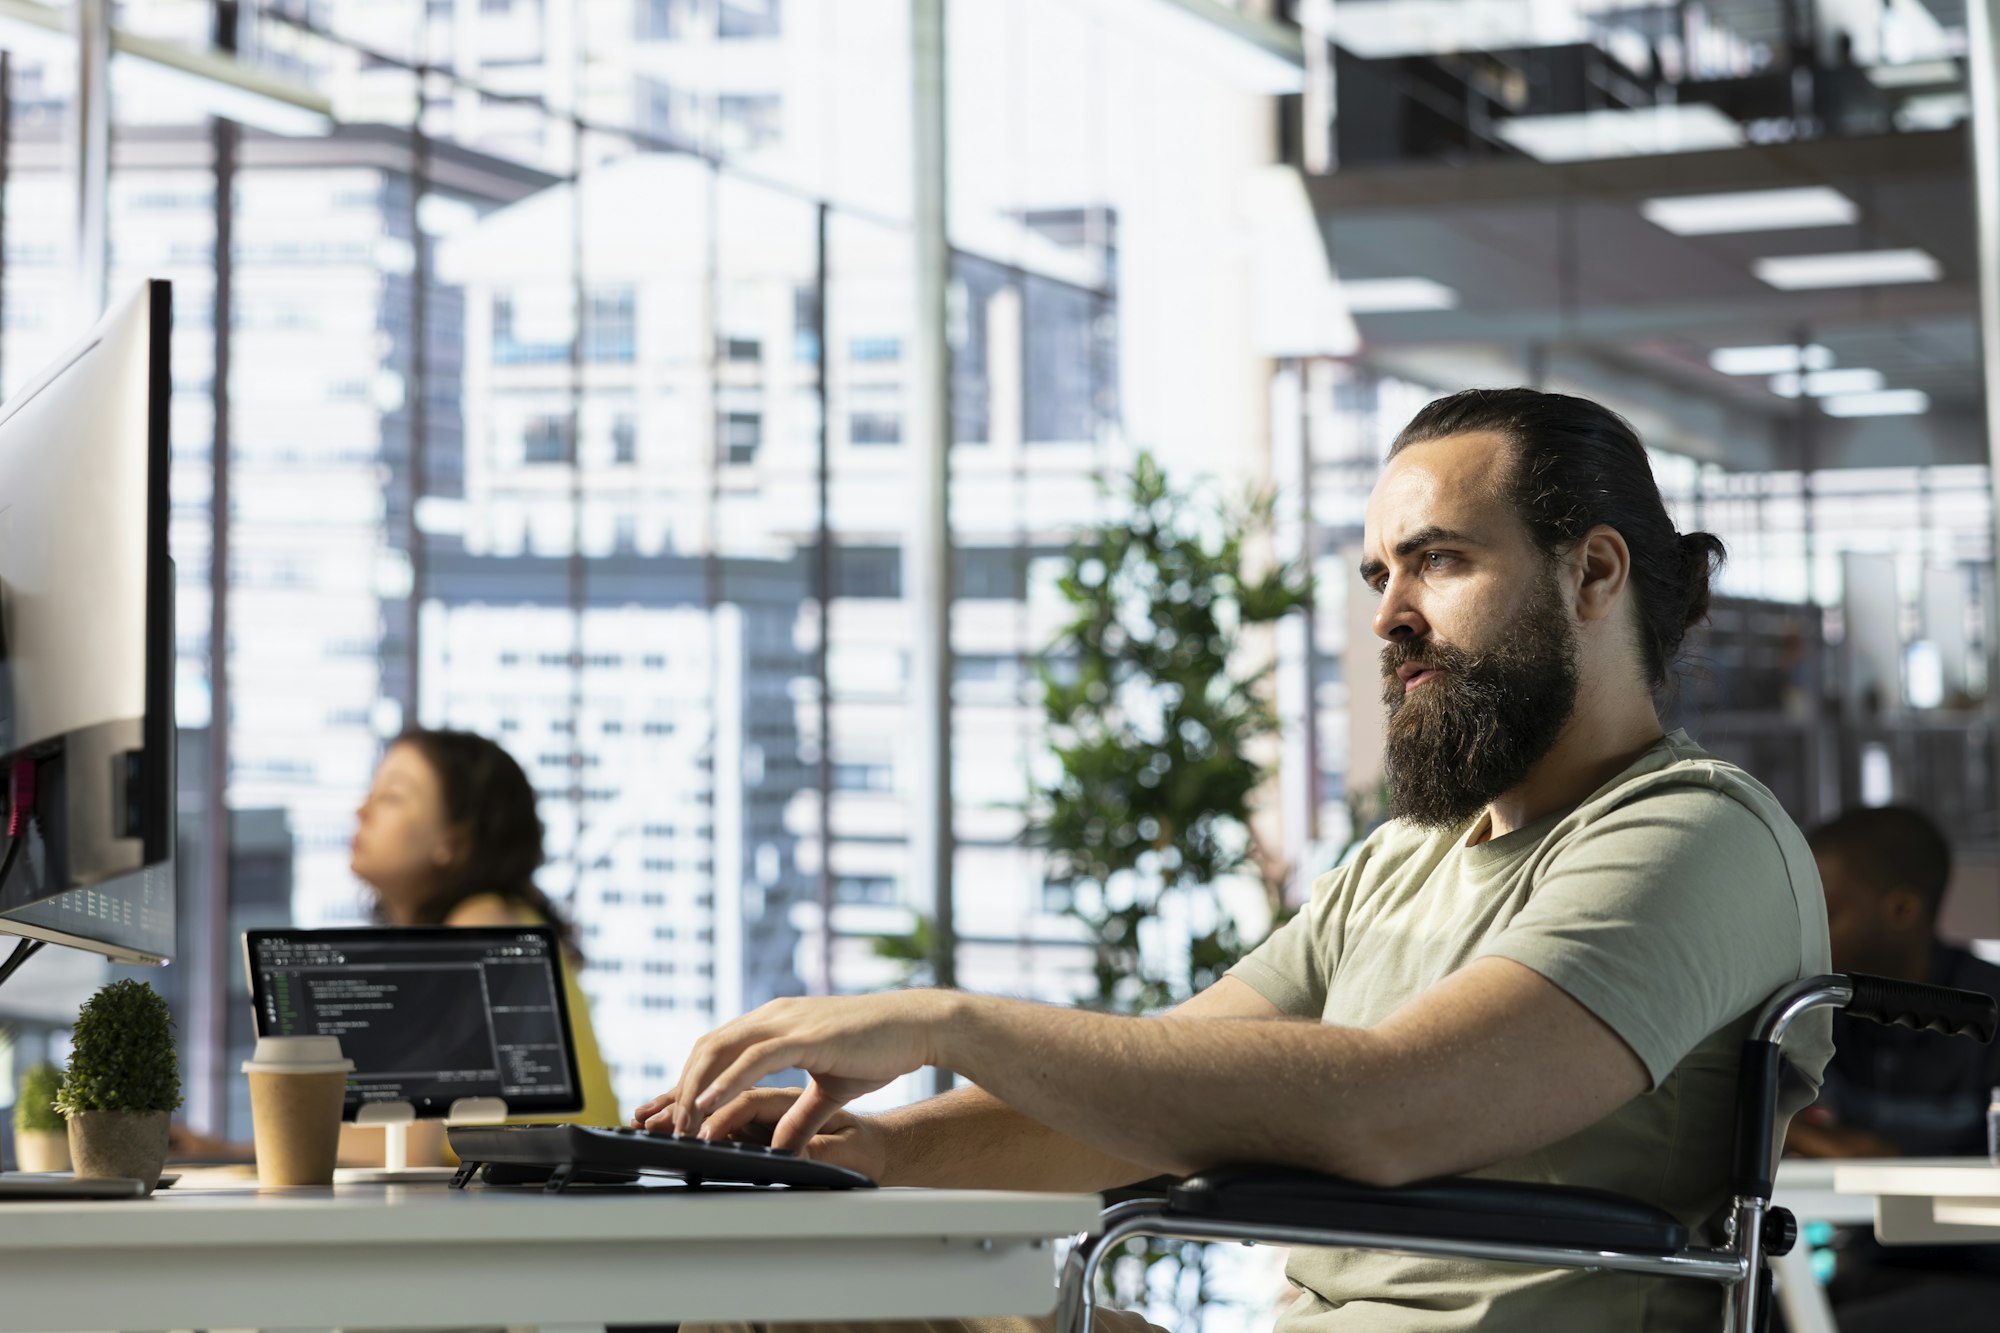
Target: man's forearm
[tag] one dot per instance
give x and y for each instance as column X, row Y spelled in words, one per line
column 969, row 1139
column 1492, row 1062
column 1150, row 1095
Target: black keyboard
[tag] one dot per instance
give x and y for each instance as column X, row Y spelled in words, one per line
column 558, row 1156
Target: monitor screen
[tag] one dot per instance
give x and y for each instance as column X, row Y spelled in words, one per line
column 87, row 637
column 428, row 1014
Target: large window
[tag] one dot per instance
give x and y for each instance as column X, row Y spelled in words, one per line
column 567, row 398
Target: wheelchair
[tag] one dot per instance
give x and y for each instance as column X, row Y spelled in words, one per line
column 1547, row 1226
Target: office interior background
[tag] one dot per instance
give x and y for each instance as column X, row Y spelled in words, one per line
column 588, row 372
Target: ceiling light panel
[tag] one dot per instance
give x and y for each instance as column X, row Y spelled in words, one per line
column 1820, row 383
column 1382, row 296
column 1921, row 74
column 1383, row 29
column 1750, row 210
column 1933, row 111
column 1856, row 268
column 1686, row 127
column 1886, row 403
column 1777, row 359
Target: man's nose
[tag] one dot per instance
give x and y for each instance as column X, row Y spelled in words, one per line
column 1396, row 618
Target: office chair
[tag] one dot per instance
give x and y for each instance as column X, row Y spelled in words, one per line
column 1548, row 1226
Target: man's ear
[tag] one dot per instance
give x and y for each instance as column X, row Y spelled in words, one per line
column 1601, row 563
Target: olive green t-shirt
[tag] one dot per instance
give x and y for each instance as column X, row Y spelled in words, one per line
column 1669, row 903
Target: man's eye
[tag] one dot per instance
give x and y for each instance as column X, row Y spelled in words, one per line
column 1437, row 559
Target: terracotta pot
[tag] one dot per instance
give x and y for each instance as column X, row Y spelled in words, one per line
column 41, row 1149
column 119, row 1143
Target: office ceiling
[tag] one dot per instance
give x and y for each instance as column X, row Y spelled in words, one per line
column 1554, row 265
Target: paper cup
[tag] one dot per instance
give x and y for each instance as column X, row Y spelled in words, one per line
column 297, row 1088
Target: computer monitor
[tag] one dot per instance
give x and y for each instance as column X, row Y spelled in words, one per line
column 429, row 1015
column 87, row 638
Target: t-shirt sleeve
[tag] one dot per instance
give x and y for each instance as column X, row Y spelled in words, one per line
column 1668, row 918
column 1293, row 967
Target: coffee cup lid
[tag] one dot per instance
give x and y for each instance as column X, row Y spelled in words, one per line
column 298, row 1055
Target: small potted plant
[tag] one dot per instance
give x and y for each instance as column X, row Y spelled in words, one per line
column 41, row 1136
column 122, row 1084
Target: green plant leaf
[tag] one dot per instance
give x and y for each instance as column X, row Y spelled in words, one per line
column 122, row 1055
column 34, row 1103
column 1156, row 719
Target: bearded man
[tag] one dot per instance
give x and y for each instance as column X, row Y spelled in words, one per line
column 1540, row 969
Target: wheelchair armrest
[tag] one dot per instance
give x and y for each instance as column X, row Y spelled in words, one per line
column 1910, row 1004
column 1460, row 1208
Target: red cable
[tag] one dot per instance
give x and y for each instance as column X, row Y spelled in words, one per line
column 20, row 797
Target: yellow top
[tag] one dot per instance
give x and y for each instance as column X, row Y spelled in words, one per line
column 600, row 1104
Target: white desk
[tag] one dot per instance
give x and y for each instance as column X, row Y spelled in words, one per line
column 1806, row 1186
column 415, row 1256
column 1909, row 1201
column 1928, row 1201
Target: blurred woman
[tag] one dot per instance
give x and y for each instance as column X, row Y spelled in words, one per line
column 448, row 836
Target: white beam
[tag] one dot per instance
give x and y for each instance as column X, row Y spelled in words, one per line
column 927, row 557
column 1982, row 57
column 89, row 143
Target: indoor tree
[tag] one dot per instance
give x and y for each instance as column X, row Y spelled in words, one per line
column 1159, row 723
column 1156, row 697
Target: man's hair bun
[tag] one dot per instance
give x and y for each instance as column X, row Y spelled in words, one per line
column 1702, row 554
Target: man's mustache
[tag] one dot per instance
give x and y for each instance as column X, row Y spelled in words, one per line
column 1420, row 652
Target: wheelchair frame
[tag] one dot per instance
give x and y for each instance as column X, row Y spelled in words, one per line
column 1754, row 1230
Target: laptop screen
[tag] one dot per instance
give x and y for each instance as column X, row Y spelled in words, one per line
column 427, row 1014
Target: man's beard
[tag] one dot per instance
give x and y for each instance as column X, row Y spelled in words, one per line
column 1473, row 730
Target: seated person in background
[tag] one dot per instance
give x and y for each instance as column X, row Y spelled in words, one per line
column 1541, row 969
column 1891, row 1091
column 448, row 836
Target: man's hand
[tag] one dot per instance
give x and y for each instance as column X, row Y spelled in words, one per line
column 965, row 1139
column 847, row 1045
column 858, row 1143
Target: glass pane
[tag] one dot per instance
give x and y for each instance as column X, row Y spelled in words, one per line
column 1083, row 328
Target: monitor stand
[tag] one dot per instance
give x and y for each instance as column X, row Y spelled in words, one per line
column 395, row 1119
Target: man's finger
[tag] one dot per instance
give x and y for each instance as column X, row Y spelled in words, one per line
column 647, row 1110
column 757, row 1106
column 700, row 1066
column 757, row 1060
column 683, row 1115
column 711, row 1055
column 807, row 1117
